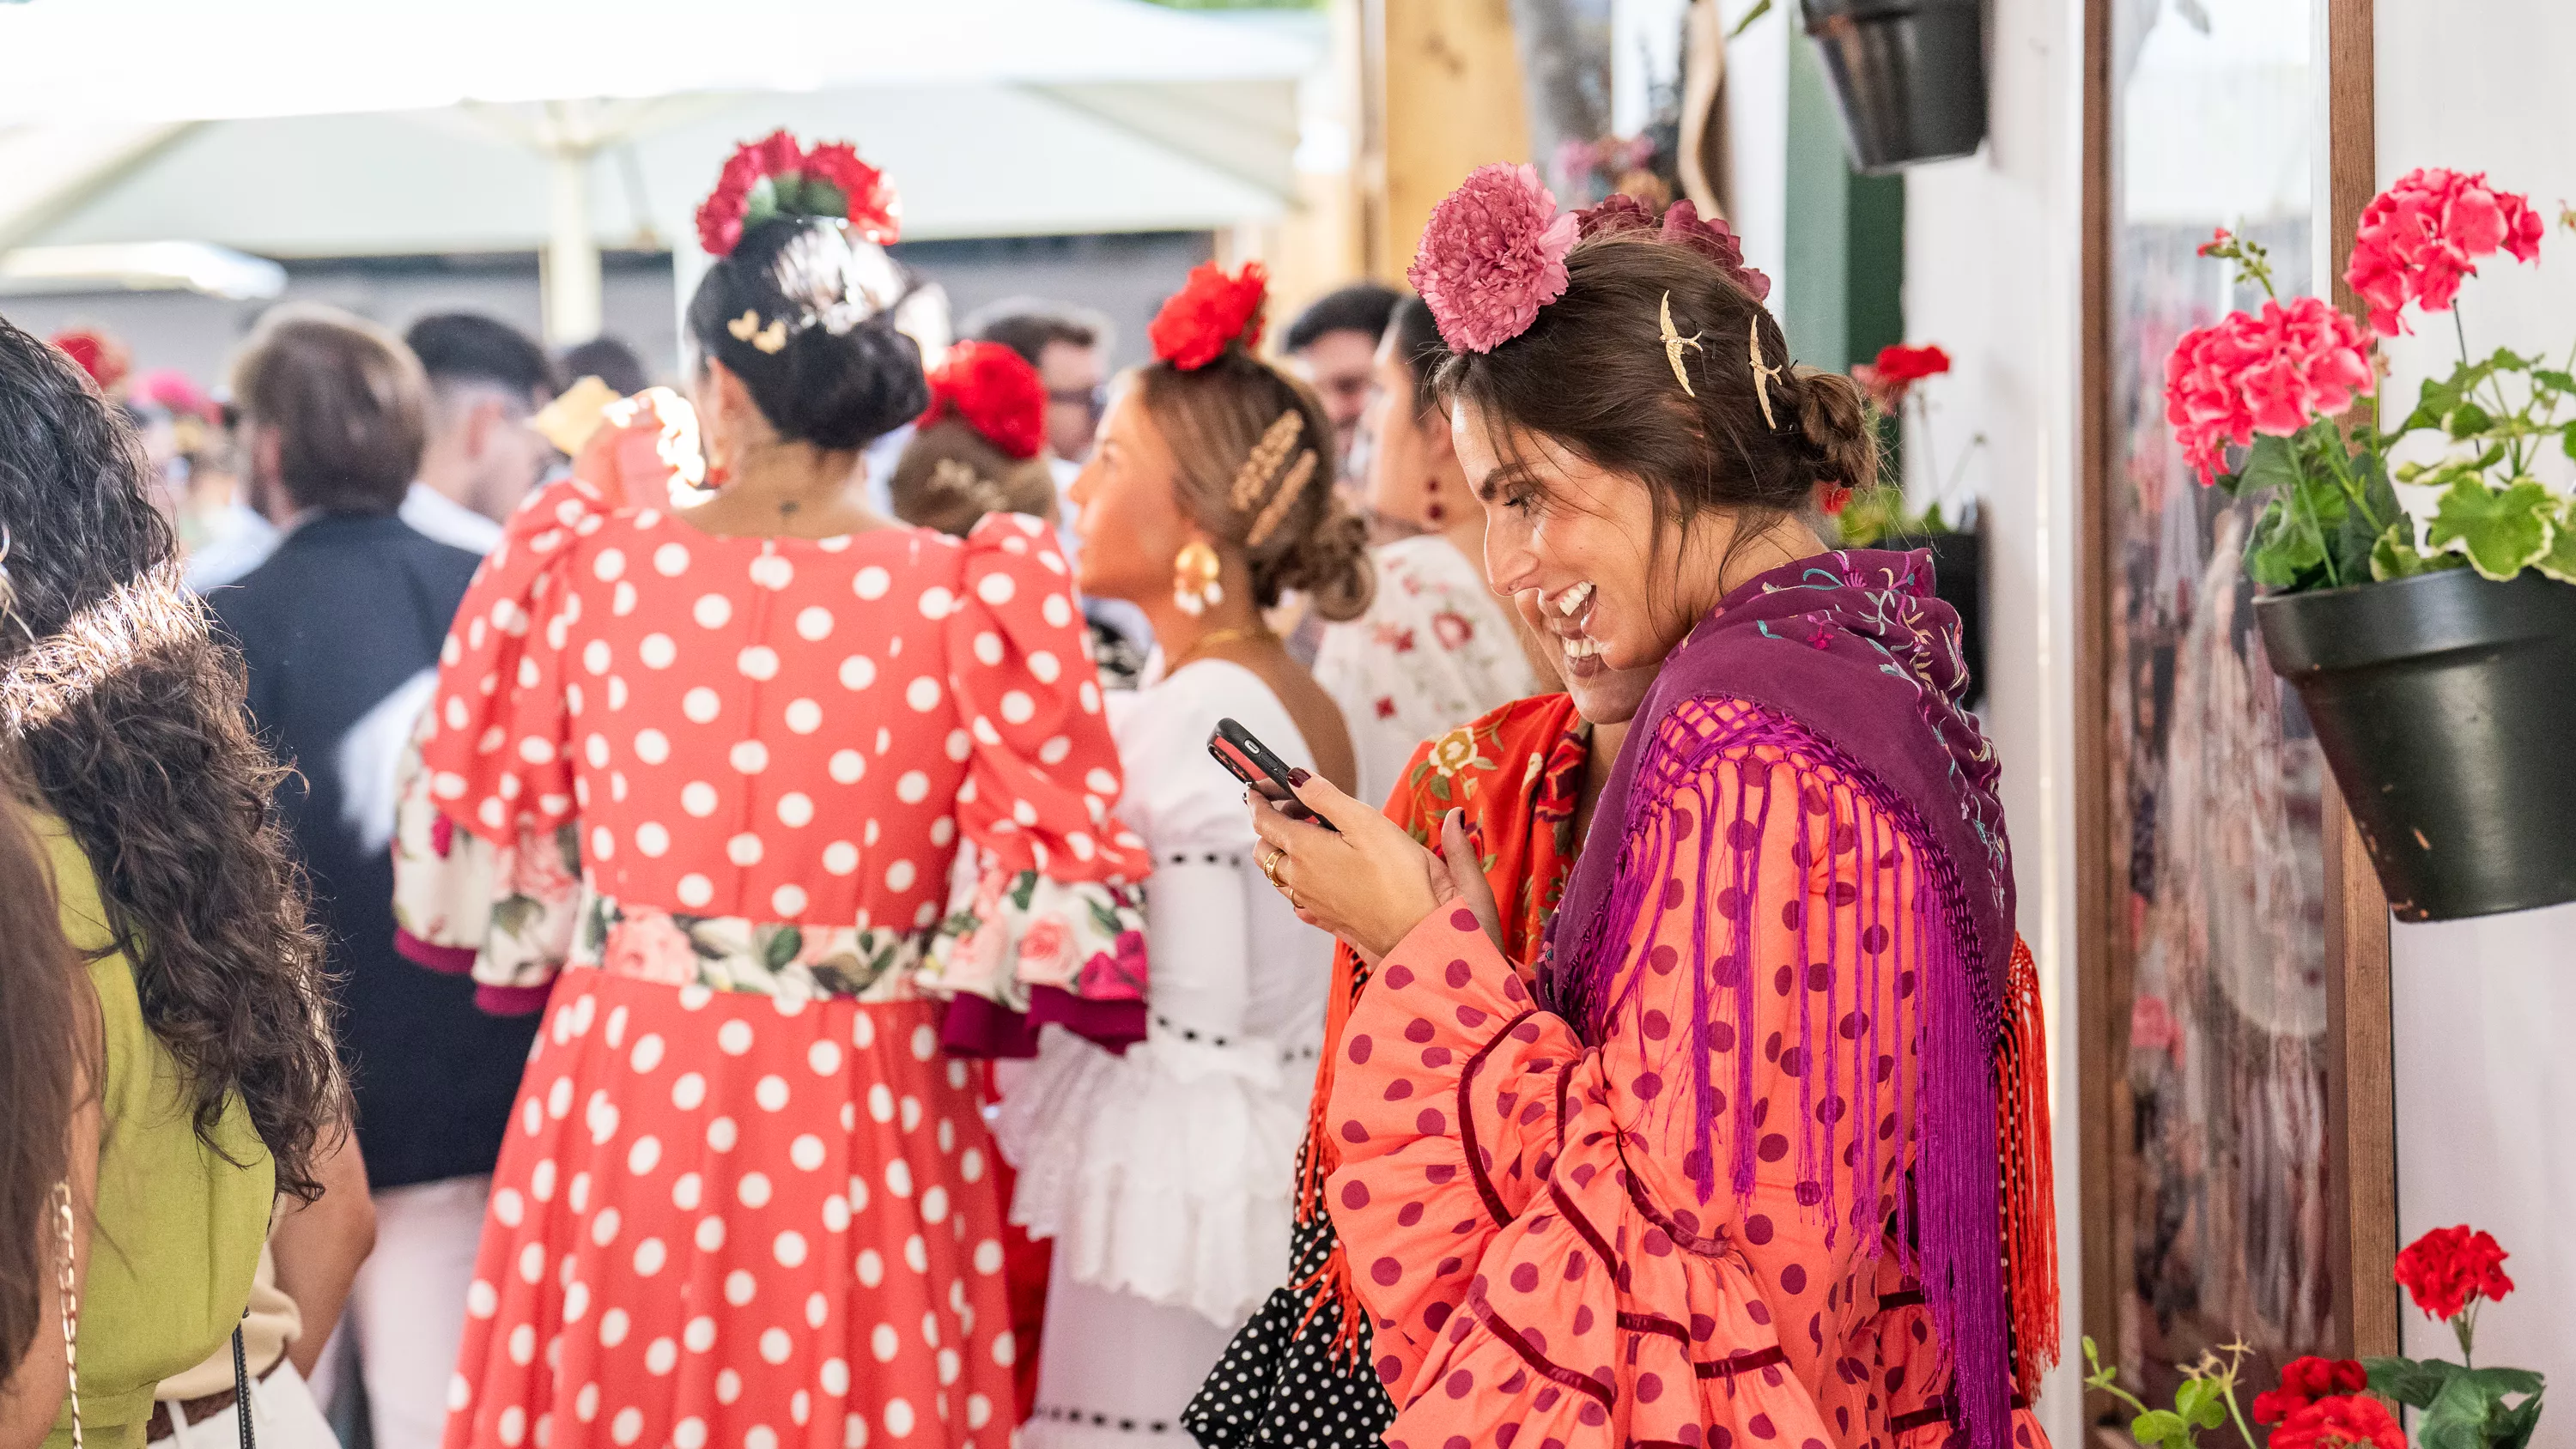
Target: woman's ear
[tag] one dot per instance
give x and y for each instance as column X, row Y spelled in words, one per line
column 1439, row 441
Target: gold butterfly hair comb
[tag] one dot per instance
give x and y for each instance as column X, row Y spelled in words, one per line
column 771, row 339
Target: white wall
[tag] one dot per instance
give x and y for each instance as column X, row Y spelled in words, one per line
column 1992, row 273
column 2486, row 1089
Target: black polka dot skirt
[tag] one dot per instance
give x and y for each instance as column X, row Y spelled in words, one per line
column 1280, row 1384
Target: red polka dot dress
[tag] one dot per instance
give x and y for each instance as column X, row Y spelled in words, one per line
column 704, row 797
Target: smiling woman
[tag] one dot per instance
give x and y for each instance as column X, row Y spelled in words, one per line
column 1720, row 1162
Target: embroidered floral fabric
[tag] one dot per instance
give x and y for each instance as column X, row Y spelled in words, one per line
column 1434, row 648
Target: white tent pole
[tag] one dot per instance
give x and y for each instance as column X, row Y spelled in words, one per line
column 571, row 283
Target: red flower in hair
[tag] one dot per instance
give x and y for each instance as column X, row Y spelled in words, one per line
column 2305, row 1381
column 101, row 356
column 871, row 206
column 774, row 176
column 994, row 391
column 1210, row 311
column 2448, row 1269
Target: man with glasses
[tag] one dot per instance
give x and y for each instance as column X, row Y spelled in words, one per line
column 1069, row 346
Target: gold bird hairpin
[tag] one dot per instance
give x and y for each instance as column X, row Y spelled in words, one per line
column 1674, row 342
column 771, row 339
column 1763, row 376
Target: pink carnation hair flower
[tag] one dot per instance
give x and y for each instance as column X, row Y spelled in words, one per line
column 2273, row 372
column 2422, row 236
column 1491, row 256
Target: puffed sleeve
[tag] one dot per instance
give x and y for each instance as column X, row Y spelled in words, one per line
column 487, row 868
column 1046, row 924
column 1528, row 1215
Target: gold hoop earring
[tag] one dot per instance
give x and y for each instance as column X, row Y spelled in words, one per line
column 1194, row 578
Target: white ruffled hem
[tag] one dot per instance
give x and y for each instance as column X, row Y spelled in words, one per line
column 1167, row 1173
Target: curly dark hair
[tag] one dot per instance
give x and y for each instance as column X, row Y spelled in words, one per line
column 131, row 724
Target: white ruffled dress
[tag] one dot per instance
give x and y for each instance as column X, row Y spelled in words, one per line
column 1166, row 1175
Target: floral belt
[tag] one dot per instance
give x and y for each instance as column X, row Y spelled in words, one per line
column 732, row 953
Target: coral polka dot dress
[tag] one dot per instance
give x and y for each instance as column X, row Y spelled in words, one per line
column 703, row 799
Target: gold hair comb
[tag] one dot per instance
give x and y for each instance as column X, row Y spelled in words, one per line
column 1295, row 483
column 1762, row 376
column 1674, row 342
column 1252, row 480
column 771, row 339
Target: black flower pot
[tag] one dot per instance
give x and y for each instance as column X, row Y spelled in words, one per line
column 1959, row 580
column 1908, row 75
column 2443, row 704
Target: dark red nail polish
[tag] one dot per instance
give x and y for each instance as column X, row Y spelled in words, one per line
column 1297, row 776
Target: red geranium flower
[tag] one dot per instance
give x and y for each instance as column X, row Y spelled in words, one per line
column 1210, row 311
column 2269, row 373
column 2332, row 1423
column 2218, row 238
column 101, row 356
column 2448, row 1269
column 2307, row 1380
column 2423, row 235
column 995, row 391
column 869, row 202
column 1900, row 363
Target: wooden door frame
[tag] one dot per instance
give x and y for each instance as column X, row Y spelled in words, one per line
column 2361, row 1107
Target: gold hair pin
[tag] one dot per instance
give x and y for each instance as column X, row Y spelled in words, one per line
column 1252, row 480
column 1298, row 474
column 1674, row 342
column 1762, row 376
column 771, row 339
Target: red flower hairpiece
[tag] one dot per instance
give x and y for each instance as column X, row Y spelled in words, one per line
column 1210, row 311
column 1678, row 225
column 993, row 390
column 101, row 356
column 774, row 177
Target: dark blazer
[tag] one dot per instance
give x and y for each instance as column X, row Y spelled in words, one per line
column 342, row 628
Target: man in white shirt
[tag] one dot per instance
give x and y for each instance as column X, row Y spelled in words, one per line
column 486, row 380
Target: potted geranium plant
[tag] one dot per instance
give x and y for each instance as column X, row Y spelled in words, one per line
column 1882, row 515
column 1909, row 77
column 2438, row 666
column 2335, row 1403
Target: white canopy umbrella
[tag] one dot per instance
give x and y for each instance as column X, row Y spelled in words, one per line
column 305, row 128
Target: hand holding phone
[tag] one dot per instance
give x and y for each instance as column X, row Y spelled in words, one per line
column 1247, row 759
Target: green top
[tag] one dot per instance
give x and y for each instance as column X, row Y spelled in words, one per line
column 176, row 1233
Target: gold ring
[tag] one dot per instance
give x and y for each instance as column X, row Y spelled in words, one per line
column 1270, row 865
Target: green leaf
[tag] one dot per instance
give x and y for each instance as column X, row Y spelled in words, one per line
column 2552, row 378
column 2405, row 1381
column 2560, row 561
column 2567, row 441
column 2201, row 1404
column 2499, row 531
column 2285, row 548
column 2467, row 421
column 2394, row 556
column 1760, row 9
column 2457, row 1418
column 2508, row 360
column 2512, row 1428
column 782, row 946
column 2161, row 1427
column 2270, row 463
column 2498, row 1382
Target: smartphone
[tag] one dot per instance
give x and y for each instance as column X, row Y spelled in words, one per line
column 1247, row 759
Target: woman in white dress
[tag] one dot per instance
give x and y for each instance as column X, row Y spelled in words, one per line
column 1166, row 1174
column 1436, row 648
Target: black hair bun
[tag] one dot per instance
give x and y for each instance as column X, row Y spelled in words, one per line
column 836, row 373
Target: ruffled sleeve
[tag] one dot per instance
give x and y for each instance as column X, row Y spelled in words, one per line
column 487, row 869
column 1045, row 925
column 1522, row 1209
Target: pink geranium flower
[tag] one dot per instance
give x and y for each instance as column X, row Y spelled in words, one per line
column 2422, row 236
column 2273, row 372
column 1491, row 256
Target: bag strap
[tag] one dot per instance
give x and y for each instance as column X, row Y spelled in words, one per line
column 241, row 1386
column 70, row 1290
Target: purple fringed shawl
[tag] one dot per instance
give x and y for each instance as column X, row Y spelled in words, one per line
column 1864, row 664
